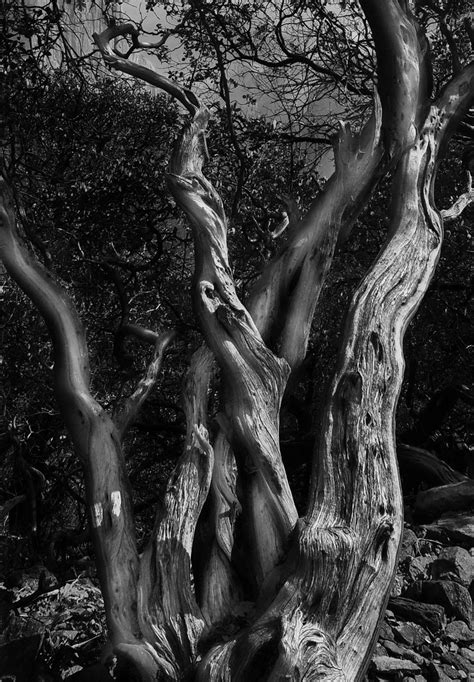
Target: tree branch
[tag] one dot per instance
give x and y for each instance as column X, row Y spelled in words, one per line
column 167, row 608
column 127, row 415
column 92, row 431
column 461, row 203
column 102, row 40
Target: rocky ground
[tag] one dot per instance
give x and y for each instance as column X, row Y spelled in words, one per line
column 426, row 633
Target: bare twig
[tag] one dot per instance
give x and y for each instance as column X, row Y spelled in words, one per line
column 461, row 203
column 134, row 403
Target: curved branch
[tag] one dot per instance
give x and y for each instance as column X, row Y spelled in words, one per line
column 254, row 379
column 92, row 431
column 283, row 301
column 134, row 403
column 102, row 40
column 461, row 203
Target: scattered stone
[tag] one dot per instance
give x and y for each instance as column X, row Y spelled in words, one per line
column 455, row 562
column 427, row 548
column 468, row 654
column 459, row 631
column 385, row 665
column 397, row 586
column 431, row 617
column 454, row 597
column 386, row 632
column 409, row 545
column 411, row 634
column 458, row 662
column 413, row 656
column 426, row 652
column 394, row 649
column 436, row 673
column 452, row 529
column 417, row 567
column 380, row 649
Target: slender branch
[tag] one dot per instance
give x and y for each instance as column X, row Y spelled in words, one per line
column 102, row 40
column 134, row 403
column 279, row 302
column 461, row 203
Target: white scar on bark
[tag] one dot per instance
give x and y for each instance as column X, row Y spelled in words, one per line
column 97, row 515
column 116, row 500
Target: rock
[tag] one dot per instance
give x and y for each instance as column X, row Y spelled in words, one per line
column 409, row 545
column 436, row 673
column 411, row 634
column 428, row 548
column 468, row 654
column 386, row 632
column 454, row 597
column 394, row 649
column 431, row 617
column 385, row 665
column 426, row 652
column 455, row 562
column 93, row 673
column 454, row 529
column 458, row 662
column 459, row 631
column 397, row 586
column 413, row 656
column 417, row 567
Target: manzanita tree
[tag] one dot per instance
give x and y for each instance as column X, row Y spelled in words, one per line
column 234, row 584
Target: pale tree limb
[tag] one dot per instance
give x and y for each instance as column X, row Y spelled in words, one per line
column 279, row 302
column 253, row 377
column 102, row 40
column 126, row 416
column 284, row 299
column 170, row 619
column 340, row 569
column 93, row 433
column 461, row 203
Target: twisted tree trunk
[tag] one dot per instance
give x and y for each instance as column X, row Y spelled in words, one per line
column 276, row 597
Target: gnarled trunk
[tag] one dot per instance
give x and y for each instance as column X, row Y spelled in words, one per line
column 277, row 597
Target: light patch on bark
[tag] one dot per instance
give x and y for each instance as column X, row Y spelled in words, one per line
column 97, row 515
column 116, row 499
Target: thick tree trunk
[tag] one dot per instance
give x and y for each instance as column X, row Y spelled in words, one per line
column 311, row 590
